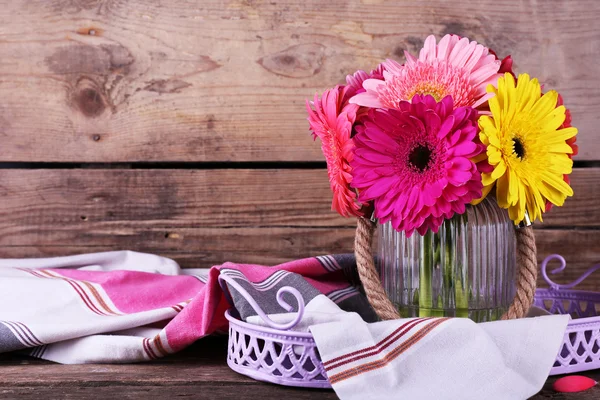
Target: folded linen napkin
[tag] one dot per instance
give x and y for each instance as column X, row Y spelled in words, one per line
column 439, row 358
column 422, row 358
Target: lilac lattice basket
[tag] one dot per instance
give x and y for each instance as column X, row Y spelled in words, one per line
column 275, row 354
column 580, row 350
column 278, row 355
column 282, row 357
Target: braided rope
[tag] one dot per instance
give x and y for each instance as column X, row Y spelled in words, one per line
column 527, row 271
column 525, row 280
column 369, row 277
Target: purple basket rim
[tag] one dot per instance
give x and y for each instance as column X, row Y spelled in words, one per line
column 573, row 292
column 593, row 297
column 264, row 329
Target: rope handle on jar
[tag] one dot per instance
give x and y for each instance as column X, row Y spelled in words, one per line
column 525, row 280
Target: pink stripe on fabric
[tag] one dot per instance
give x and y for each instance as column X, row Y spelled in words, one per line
column 152, row 291
column 204, row 315
column 261, row 286
column 308, row 268
column 311, row 270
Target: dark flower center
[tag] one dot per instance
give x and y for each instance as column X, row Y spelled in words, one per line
column 518, row 148
column 419, row 157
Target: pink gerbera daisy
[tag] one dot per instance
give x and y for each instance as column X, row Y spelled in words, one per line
column 354, row 82
column 331, row 121
column 414, row 162
column 456, row 67
column 354, row 85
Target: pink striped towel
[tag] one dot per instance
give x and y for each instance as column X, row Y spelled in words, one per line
column 121, row 307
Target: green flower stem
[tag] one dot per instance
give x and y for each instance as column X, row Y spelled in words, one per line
column 461, row 298
column 426, row 269
column 462, row 301
column 449, row 258
column 453, row 282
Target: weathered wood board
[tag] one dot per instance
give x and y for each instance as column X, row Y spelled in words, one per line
column 199, row 372
column 212, row 80
column 206, row 217
column 270, row 246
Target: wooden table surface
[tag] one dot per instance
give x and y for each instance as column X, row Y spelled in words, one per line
column 198, row 372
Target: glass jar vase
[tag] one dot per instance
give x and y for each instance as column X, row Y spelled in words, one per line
column 467, row 269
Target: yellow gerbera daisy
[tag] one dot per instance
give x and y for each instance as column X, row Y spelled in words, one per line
column 525, row 147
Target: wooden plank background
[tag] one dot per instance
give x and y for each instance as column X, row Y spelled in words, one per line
column 179, row 128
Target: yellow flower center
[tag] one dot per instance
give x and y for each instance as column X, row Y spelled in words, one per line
column 435, row 89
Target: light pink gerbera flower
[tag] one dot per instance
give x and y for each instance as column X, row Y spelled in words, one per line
column 331, row 121
column 456, row 67
column 354, row 85
column 354, row 82
column 414, row 162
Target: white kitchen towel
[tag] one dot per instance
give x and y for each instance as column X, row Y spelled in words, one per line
column 439, row 358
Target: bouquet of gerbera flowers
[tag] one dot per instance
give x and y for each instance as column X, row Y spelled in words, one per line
column 416, row 142
column 413, row 144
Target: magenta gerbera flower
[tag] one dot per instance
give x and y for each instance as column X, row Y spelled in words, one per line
column 331, row 121
column 414, row 162
column 456, row 67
